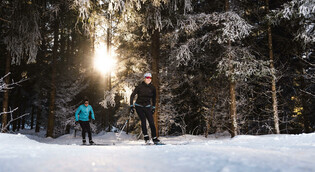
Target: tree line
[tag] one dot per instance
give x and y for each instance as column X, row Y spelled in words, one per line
column 243, row 67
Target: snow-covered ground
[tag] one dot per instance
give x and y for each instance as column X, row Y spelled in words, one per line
column 29, row 153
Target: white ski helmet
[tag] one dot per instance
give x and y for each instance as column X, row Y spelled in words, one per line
column 147, row 75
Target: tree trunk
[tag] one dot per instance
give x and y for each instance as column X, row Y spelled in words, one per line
column 38, row 117
column 233, row 114
column 5, row 103
column 14, row 123
column 22, row 113
column 42, row 53
column 155, row 53
column 23, row 122
column 207, row 126
column 17, row 102
column 108, row 75
column 32, row 117
column 210, row 119
column 273, row 81
column 233, row 108
column 52, row 100
column 19, row 120
column 305, row 112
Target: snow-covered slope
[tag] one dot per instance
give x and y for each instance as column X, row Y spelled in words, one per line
column 289, row 153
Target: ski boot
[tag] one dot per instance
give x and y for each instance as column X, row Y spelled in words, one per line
column 83, row 141
column 156, row 141
column 146, row 139
column 91, row 142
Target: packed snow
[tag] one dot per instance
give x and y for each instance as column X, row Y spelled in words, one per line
column 30, row 153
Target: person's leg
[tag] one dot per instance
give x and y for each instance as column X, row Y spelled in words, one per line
column 88, row 129
column 83, row 130
column 141, row 114
column 149, row 116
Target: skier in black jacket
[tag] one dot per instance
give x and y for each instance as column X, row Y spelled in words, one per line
column 145, row 106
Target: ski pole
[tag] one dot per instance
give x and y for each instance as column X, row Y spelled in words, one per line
column 123, row 127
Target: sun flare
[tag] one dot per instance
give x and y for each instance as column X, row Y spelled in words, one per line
column 104, row 62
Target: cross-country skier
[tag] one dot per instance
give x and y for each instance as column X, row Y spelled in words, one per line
column 82, row 116
column 145, row 106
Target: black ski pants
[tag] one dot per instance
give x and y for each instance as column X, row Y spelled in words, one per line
column 145, row 113
column 85, row 125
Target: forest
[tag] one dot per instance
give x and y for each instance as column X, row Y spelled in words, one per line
column 246, row 67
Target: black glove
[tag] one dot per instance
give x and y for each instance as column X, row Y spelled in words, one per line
column 132, row 110
column 76, row 122
column 153, row 109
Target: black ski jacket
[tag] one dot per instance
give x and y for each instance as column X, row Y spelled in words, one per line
column 146, row 93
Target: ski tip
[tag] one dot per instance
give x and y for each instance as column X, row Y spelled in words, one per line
column 159, row 143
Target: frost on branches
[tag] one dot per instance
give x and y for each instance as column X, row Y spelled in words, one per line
column 303, row 11
column 109, row 99
column 229, row 27
column 67, row 90
column 3, row 85
column 244, row 64
column 83, row 7
column 23, row 36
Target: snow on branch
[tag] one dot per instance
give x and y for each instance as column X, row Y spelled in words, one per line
column 3, row 129
column 24, row 36
column 304, row 12
column 4, row 86
column 188, row 6
column 244, row 64
column 1, row 113
column 154, row 18
column 83, row 7
column 230, row 26
column 116, row 5
column 184, row 53
column 109, row 99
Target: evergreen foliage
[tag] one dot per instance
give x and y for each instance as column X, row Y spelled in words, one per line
column 202, row 49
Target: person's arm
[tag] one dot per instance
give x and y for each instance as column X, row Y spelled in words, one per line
column 77, row 113
column 132, row 96
column 92, row 113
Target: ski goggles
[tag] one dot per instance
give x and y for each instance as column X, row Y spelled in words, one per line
column 148, row 77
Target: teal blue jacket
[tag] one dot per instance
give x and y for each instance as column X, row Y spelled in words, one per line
column 83, row 112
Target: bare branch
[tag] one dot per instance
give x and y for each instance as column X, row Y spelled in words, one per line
column 4, row 86
column 3, row 129
column 307, row 93
column 5, row 20
column 1, row 113
column 313, row 65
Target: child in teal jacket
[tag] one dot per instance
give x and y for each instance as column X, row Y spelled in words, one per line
column 82, row 116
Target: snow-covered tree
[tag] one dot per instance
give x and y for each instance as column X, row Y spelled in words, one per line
column 22, row 36
column 298, row 17
column 65, row 108
column 302, row 14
